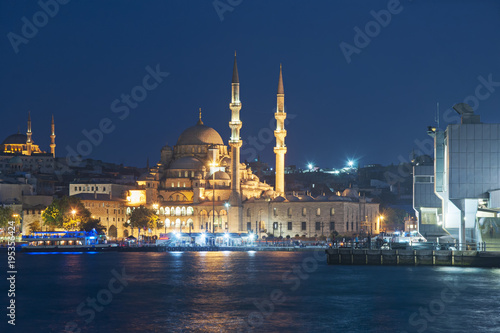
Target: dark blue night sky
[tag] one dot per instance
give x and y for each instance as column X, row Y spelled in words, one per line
column 375, row 108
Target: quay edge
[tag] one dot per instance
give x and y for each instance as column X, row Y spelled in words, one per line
column 345, row 256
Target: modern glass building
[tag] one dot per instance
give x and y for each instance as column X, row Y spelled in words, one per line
column 467, row 178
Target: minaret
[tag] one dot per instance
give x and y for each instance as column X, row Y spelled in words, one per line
column 200, row 122
column 235, row 210
column 29, row 142
column 280, row 134
column 53, row 138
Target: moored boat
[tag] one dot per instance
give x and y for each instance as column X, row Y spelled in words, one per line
column 67, row 241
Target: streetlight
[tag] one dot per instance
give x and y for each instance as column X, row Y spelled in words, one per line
column 214, row 165
column 227, row 205
column 379, row 222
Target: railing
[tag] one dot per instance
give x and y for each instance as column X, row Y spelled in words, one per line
column 374, row 245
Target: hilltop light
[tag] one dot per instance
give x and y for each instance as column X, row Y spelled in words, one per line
column 310, row 166
column 350, row 163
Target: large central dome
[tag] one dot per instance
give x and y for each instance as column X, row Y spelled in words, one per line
column 200, row 135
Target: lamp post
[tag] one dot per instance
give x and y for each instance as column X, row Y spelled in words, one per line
column 380, row 219
column 214, row 165
column 227, row 205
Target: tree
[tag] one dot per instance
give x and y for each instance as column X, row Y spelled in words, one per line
column 92, row 224
column 142, row 218
column 5, row 216
column 393, row 218
column 67, row 213
column 35, row 226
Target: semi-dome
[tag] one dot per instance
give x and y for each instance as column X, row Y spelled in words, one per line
column 221, row 175
column 15, row 139
column 200, row 135
column 187, row 162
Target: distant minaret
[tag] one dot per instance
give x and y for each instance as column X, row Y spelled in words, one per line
column 280, row 134
column 200, row 122
column 53, row 138
column 29, row 142
column 235, row 143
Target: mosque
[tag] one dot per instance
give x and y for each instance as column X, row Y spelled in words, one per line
column 18, row 152
column 200, row 184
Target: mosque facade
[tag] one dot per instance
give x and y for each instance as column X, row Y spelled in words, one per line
column 200, row 184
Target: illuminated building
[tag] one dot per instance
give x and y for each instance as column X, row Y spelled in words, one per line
column 200, row 173
column 18, row 152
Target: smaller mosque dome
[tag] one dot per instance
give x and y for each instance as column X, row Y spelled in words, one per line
column 268, row 194
column 187, row 162
column 15, row 139
column 221, row 175
column 351, row 193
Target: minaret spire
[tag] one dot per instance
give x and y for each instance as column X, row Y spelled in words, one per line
column 281, row 90
column 53, row 138
column 280, row 134
column 235, row 210
column 200, row 122
column 29, row 142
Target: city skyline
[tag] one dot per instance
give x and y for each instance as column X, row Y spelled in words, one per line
column 344, row 101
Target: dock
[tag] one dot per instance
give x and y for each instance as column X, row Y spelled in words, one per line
column 348, row 256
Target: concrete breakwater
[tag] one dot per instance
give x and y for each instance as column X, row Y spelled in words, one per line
column 412, row 257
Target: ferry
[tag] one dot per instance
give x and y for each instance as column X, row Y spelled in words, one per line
column 67, row 241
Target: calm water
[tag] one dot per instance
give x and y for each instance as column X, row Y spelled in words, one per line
column 231, row 291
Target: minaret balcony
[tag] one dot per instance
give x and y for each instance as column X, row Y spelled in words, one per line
column 280, row 115
column 280, row 134
column 280, row 150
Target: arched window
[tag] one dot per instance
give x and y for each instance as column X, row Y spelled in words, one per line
column 304, row 211
column 178, row 185
column 289, row 211
column 192, row 150
column 318, row 211
column 162, row 211
column 275, row 211
column 199, row 149
column 177, row 211
column 190, row 211
column 172, row 211
column 185, row 174
column 177, row 222
column 249, row 212
column 167, row 222
column 128, row 210
column 332, row 211
column 183, row 211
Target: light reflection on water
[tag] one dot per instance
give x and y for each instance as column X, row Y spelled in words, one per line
column 218, row 291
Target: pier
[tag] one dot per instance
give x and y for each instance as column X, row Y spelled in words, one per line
column 347, row 256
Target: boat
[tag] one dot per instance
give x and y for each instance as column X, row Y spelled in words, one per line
column 67, row 241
